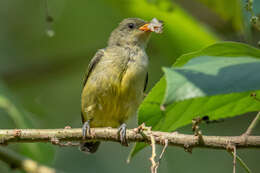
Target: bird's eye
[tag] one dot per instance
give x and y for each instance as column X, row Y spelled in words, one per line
column 131, row 25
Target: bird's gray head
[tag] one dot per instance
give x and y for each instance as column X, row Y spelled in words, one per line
column 128, row 33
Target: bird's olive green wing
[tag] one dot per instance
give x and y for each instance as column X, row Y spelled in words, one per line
column 92, row 64
column 146, row 81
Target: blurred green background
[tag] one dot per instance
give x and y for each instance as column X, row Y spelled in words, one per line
column 41, row 76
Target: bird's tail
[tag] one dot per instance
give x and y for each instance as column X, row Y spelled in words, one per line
column 89, row 147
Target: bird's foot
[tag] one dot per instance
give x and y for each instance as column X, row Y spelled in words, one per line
column 122, row 134
column 86, row 129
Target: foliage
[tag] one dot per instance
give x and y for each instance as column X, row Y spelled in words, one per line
column 41, row 77
column 216, row 81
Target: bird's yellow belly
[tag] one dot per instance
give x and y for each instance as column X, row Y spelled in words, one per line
column 110, row 101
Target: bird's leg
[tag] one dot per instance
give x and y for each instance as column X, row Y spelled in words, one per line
column 122, row 134
column 86, row 129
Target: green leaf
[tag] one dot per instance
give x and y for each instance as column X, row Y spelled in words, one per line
column 21, row 119
column 208, row 76
column 230, row 49
column 216, row 81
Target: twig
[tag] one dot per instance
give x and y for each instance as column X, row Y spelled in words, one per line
column 140, row 129
column 25, row 164
column 152, row 158
column 164, row 149
column 196, row 128
column 110, row 134
column 155, row 164
column 243, row 164
column 195, row 125
column 234, row 159
column 252, row 125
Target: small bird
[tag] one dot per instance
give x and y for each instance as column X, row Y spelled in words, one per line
column 115, row 81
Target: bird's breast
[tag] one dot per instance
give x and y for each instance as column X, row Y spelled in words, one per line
column 135, row 73
column 115, row 89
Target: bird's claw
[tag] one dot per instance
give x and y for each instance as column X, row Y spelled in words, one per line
column 86, row 129
column 122, row 134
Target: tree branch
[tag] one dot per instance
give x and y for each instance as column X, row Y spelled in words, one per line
column 109, row 134
column 28, row 165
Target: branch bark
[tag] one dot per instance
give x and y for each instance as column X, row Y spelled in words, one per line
column 109, row 134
